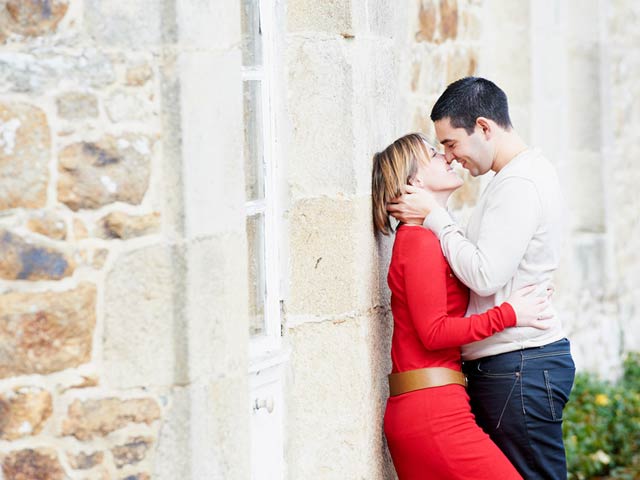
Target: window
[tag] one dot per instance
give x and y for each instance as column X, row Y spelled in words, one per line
column 259, row 166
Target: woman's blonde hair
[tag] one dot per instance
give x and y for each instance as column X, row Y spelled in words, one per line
column 392, row 169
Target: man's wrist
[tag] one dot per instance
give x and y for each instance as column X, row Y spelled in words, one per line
column 438, row 220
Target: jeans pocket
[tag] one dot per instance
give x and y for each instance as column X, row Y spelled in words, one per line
column 558, row 384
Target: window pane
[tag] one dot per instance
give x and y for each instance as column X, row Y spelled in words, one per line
column 251, row 34
column 257, row 292
column 253, row 141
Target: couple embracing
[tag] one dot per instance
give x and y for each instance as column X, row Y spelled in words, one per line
column 481, row 367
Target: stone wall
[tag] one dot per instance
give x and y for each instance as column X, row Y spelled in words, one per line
column 109, row 348
column 123, row 259
column 620, row 103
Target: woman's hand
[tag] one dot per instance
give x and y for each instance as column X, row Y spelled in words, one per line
column 530, row 309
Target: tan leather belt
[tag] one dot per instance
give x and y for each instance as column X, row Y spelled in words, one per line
column 411, row 380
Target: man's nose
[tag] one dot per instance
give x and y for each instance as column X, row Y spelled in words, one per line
column 448, row 156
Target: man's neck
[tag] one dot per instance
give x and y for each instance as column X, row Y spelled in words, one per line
column 510, row 146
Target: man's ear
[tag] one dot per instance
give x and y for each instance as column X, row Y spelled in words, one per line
column 485, row 125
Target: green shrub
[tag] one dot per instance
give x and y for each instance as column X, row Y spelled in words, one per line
column 602, row 426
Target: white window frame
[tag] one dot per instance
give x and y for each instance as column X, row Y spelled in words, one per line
column 270, row 341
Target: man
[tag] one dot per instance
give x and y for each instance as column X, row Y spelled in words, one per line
column 519, row 379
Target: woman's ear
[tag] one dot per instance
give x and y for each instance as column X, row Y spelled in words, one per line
column 415, row 181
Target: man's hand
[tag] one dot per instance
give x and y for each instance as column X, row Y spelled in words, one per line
column 413, row 206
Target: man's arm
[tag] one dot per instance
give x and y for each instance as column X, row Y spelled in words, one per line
column 508, row 223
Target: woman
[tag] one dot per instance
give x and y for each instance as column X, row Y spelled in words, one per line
column 428, row 423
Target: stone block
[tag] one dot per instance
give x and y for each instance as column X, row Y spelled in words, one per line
column 471, row 27
column 125, row 226
column 25, row 142
column 324, row 438
column 583, row 69
column 99, row 257
column 93, row 174
column 448, row 19
column 145, row 335
column 41, row 464
column 80, row 231
column 586, row 194
column 322, row 280
column 468, row 194
column 433, row 71
column 622, row 20
column 205, row 432
column 427, row 21
column 588, row 258
column 37, row 74
column 422, row 123
column 629, row 306
column 194, row 21
column 595, row 337
column 84, row 461
column 506, row 14
column 23, row 412
column 77, row 105
column 320, row 87
column 138, row 75
column 124, row 106
column 333, row 258
column 217, row 275
column 379, row 88
column 87, row 419
column 32, row 17
column 47, row 223
column 331, row 16
column 461, row 63
column 137, row 476
column 136, row 25
column 212, row 171
column 380, row 19
column 132, row 452
column 46, row 332
column 20, row 259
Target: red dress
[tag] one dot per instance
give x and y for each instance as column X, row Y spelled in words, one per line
column 432, row 433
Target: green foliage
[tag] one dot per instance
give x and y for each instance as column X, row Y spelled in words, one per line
column 602, row 426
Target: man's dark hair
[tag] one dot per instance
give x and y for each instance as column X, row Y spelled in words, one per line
column 469, row 98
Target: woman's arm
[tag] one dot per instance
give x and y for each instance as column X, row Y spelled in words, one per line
column 425, row 281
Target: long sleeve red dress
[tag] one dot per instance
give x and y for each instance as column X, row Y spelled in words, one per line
column 431, row 433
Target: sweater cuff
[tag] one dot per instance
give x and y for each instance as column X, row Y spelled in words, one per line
column 508, row 314
column 438, row 220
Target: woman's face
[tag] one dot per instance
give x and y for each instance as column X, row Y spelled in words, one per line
column 436, row 175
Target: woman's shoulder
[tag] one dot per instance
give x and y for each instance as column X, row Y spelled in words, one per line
column 417, row 236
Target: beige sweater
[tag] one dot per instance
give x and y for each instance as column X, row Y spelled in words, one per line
column 513, row 239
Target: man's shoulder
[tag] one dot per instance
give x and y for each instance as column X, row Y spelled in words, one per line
column 533, row 166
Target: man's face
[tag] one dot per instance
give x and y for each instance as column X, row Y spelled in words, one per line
column 473, row 151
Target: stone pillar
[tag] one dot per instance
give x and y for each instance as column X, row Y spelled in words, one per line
column 344, row 101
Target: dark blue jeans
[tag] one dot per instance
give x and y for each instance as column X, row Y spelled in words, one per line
column 518, row 398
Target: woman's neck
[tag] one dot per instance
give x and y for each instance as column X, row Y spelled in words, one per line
column 442, row 197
